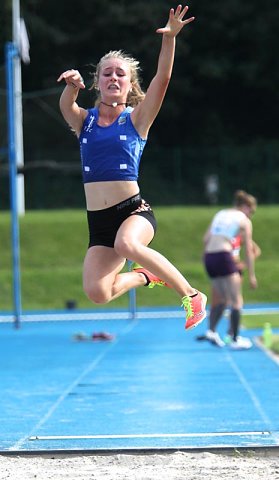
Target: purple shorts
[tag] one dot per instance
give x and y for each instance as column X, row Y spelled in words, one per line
column 219, row 264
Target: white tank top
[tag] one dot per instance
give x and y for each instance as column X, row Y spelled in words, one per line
column 227, row 223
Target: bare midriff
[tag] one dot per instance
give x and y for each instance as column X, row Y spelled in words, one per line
column 100, row 195
column 218, row 243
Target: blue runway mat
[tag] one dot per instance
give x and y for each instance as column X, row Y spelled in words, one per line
column 153, row 387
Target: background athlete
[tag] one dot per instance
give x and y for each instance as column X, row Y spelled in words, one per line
column 223, row 269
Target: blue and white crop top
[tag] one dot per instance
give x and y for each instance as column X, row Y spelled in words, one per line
column 110, row 153
column 227, row 223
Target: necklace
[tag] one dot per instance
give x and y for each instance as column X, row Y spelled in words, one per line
column 114, row 104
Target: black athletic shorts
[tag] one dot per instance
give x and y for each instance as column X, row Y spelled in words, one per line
column 219, row 264
column 104, row 224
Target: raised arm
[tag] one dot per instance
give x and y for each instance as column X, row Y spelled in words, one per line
column 146, row 112
column 73, row 114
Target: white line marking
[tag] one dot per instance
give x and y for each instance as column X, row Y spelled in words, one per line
column 75, row 316
column 147, row 435
column 251, row 393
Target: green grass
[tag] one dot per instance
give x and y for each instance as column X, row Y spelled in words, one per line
column 258, row 320
column 53, row 244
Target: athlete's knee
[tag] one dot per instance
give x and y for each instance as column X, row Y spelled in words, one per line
column 97, row 294
column 124, row 247
column 237, row 303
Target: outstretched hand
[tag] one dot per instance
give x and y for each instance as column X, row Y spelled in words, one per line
column 175, row 21
column 72, row 77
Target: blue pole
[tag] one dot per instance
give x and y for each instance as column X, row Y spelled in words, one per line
column 11, row 51
column 132, row 298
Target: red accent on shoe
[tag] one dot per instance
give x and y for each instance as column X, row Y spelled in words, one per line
column 195, row 309
column 153, row 279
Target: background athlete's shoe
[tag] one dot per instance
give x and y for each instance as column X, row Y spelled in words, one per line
column 241, row 343
column 195, row 309
column 214, row 338
column 151, row 279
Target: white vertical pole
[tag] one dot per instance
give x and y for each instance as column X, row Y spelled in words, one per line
column 18, row 109
column 11, row 52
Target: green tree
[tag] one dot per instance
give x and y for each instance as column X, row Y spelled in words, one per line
column 224, row 87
